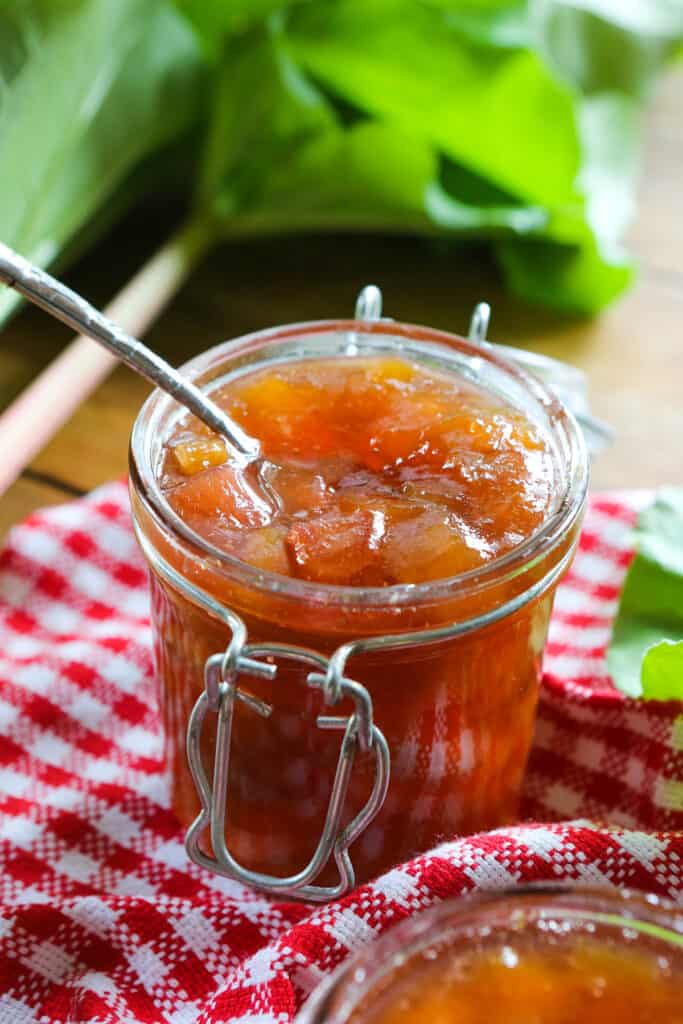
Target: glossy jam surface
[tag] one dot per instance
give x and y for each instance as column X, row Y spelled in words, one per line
column 385, row 472
column 575, row 982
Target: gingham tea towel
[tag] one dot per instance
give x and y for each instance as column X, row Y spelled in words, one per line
column 102, row 918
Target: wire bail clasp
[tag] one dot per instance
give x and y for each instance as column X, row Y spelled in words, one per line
column 221, row 691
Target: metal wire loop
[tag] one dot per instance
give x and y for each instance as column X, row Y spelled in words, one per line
column 369, row 303
column 334, row 689
column 222, row 670
column 479, row 323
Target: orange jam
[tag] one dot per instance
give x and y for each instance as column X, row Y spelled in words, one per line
column 542, row 954
column 384, row 473
column 581, row 982
column 386, row 477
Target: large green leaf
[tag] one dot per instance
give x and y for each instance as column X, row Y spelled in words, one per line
column 436, row 117
column 88, row 88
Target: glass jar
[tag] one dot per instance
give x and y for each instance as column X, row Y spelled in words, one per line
column 435, row 684
column 545, row 953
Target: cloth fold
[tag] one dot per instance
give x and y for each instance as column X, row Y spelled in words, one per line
column 102, row 917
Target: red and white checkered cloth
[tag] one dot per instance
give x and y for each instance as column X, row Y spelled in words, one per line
column 102, row 918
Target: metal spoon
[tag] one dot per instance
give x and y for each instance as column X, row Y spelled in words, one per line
column 69, row 307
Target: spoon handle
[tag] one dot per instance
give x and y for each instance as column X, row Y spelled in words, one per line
column 61, row 302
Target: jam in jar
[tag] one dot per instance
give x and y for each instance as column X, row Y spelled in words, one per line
column 549, row 957
column 418, row 499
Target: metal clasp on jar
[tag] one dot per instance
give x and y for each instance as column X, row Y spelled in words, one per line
column 221, row 690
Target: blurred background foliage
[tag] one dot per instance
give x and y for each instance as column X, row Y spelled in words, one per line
column 516, row 122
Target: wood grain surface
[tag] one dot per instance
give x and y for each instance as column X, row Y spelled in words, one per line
column 633, row 353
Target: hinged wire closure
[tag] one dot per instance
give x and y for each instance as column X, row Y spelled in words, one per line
column 221, row 690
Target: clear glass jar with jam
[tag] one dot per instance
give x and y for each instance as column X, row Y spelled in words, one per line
column 358, row 670
column 548, row 955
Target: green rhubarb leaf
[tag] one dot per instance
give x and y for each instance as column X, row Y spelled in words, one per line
column 516, row 121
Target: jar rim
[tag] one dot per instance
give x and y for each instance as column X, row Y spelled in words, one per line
column 644, row 913
column 529, row 552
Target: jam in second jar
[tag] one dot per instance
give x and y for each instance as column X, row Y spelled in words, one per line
column 577, row 981
column 392, row 475
column 550, row 957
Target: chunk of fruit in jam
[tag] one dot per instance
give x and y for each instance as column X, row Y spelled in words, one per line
column 335, row 548
column 385, row 471
column 197, row 453
column 222, row 495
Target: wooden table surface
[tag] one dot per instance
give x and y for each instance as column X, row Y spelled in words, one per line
column 633, row 353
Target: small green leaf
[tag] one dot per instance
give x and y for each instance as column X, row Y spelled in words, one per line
column 632, row 638
column 662, row 673
column 646, row 652
column 654, row 584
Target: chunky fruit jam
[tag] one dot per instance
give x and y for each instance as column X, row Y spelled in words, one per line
column 576, row 982
column 382, row 473
column 382, row 477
